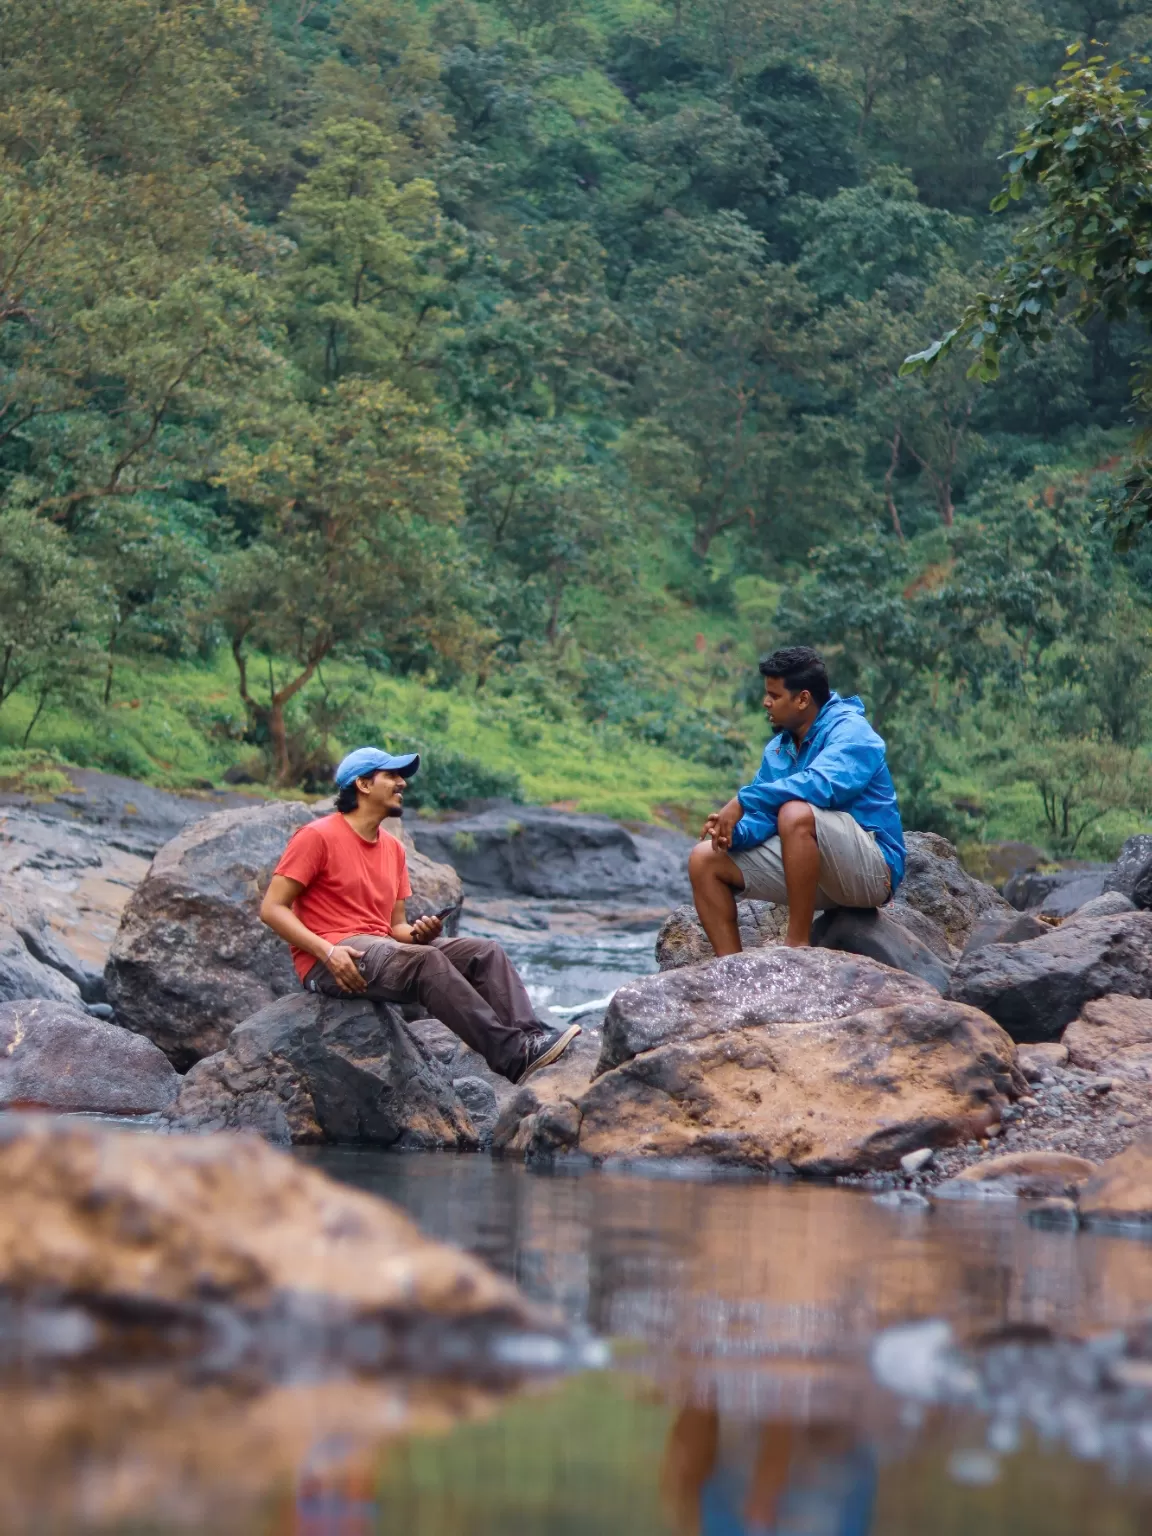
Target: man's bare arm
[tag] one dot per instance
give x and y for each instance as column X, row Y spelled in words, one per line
column 276, row 911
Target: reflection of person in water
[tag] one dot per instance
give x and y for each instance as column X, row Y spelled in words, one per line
column 774, row 1479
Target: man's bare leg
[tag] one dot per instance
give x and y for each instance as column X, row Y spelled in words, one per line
column 715, row 881
column 800, row 853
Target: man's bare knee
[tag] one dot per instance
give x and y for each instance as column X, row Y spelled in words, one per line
column 795, row 817
column 707, row 865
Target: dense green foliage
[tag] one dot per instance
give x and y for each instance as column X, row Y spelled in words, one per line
column 368, row 362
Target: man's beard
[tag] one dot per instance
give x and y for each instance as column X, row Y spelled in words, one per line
column 395, row 810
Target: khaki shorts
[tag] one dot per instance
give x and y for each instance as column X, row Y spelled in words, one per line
column 852, row 868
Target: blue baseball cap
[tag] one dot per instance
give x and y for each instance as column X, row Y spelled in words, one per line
column 365, row 760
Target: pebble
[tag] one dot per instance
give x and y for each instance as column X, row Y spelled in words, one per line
column 912, row 1162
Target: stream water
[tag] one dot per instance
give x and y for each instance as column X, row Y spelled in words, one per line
column 785, row 1358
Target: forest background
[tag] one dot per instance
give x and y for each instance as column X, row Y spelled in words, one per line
column 504, row 378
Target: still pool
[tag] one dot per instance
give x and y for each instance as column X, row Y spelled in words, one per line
column 788, row 1359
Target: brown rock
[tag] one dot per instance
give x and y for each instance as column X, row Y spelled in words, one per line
column 1113, row 1035
column 1036, row 1061
column 1120, row 1191
column 192, row 958
column 1030, row 1175
column 136, row 1229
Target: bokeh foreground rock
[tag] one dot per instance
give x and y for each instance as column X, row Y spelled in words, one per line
column 314, row 1069
column 191, row 959
column 810, row 1060
column 221, row 1244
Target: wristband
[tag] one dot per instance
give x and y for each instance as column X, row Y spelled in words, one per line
column 331, row 952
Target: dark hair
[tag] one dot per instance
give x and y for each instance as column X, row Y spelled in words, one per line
column 799, row 667
column 347, row 799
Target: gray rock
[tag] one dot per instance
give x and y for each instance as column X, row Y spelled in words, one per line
column 936, row 884
column 682, row 940
column 314, row 1069
column 533, row 851
column 1034, row 989
column 1109, row 904
column 1070, row 896
column 1006, row 928
column 479, row 1098
column 191, row 958
column 23, row 976
column 46, row 945
column 1132, row 873
column 764, row 986
column 1033, row 889
column 55, row 1056
column 877, row 934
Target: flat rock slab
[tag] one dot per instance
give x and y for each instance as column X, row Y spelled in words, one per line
column 1113, row 1036
column 1035, row 989
column 937, row 884
column 1120, row 1191
column 53, row 1055
column 766, row 986
column 842, row 1093
column 530, row 850
column 192, row 959
column 223, row 1242
column 314, row 1069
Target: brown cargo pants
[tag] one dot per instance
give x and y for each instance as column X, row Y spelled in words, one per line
column 468, row 984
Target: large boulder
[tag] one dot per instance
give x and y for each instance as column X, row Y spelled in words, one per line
column 312, row 1069
column 23, row 976
column 192, row 958
column 766, row 986
column 771, row 1070
column 1036, row 988
column 1131, row 875
column 53, row 1055
column 530, row 850
column 936, row 884
column 221, row 1243
column 1113, row 1036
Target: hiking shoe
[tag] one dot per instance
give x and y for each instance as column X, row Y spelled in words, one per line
column 543, row 1049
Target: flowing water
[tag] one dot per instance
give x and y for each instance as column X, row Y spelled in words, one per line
column 784, row 1358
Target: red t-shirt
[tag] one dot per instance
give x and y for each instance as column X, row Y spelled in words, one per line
column 350, row 886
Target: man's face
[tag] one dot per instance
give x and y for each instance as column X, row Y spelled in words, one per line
column 384, row 792
column 787, row 711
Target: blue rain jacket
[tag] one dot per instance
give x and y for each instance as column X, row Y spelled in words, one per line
column 840, row 766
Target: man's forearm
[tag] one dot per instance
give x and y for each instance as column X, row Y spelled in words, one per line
column 284, row 922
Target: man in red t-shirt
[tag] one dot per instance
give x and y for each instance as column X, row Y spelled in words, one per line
column 338, row 897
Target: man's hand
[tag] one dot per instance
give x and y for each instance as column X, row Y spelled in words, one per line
column 342, row 963
column 425, row 929
column 721, row 825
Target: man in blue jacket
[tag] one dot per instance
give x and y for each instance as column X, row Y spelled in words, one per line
column 818, row 826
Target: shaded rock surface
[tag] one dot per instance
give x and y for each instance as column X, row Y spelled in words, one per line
column 1131, row 875
column 937, row 884
column 1036, row 988
column 313, row 1069
column 191, row 958
column 879, row 935
column 222, row 1242
column 23, row 976
column 533, row 851
column 53, row 1055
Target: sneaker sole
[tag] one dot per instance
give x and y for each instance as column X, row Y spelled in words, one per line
column 552, row 1054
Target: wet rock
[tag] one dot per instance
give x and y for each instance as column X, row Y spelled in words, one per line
column 1020, row 1175
column 1113, row 1035
column 221, row 1243
column 1132, row 873
column 1120, row 1191
column 23, row 976
column 1006, row 928
column 533, row 851
column 936, row 884
column 1110, row 904
column 1035, row 989
column 879, row 936
column 1057, row 1214
column 682, row 940
column 192, row 958
column 53, row 1055
column 767, row 986
column 314, row 1069
column 1037, row 1061
column 844, row 1093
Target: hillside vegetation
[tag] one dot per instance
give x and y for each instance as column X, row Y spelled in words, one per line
column 503, row 378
